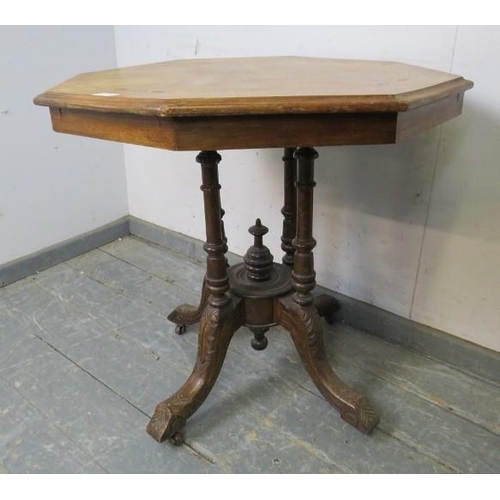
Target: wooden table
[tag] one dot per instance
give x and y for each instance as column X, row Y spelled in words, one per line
column 288, row 102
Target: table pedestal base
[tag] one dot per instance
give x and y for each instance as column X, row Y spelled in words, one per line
column 259, row 294
column 216, row 330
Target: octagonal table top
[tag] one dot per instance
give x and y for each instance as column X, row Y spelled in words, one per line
column 255, row 102
column 255, row 85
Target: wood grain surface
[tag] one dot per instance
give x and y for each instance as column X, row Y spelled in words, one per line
column 262, row 102
column 255, row 85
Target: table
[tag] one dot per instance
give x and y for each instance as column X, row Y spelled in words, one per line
column 294, row 103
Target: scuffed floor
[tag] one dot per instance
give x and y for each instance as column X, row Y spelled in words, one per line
column 86, row 352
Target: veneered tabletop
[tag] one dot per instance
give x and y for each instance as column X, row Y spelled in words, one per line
column 255, row 102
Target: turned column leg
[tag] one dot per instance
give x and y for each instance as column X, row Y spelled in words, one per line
column 300, row 317
column 303, row 274
column 304, row 243
column 289, row 209
column 223, row 232
column 187, row 314
column 216, row 278
column 221, row 317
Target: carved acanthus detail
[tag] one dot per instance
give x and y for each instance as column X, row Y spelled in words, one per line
column 303, row 323
column 216, row 330
column 361, row 415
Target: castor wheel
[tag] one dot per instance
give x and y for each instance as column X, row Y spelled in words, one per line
column 180, row 329
column 177, row 439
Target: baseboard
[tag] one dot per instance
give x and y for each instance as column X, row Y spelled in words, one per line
column 38, row 261
column 425, row 340
column 190, row 248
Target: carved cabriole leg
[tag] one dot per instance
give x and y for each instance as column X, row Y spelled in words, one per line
column 221, row 317
column 298, row 314
column 290, row 206
column 216, row 330
column 187, row 314
column 304, row 325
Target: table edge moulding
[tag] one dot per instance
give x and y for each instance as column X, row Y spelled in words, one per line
column 294, row 103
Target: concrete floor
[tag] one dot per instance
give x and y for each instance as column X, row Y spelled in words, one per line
column 86, row 352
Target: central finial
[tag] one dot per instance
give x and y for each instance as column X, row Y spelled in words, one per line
column 258, row 259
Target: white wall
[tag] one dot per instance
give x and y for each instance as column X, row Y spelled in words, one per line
column 412, row 228
column 458, row 285
column 52, row 186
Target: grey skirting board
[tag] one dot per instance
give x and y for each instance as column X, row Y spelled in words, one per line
column 38, row 261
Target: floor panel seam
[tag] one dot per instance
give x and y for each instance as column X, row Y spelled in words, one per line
column 433, row 359
column 167, row 249
column 407, row 389
column 141, row 268
column 199, row 453
column 56, row 426
column 412, row 445
column 58, row 351
column 395, row 435
column 316, row 453
column 146, row 303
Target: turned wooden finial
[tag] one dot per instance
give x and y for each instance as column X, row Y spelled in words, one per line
column 258, row 259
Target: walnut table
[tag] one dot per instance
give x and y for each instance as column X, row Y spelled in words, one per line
column 288, row 102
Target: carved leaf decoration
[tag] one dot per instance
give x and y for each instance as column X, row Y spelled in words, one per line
column 361, row 415
column 209, row 323
column 313, row 330
column 168, row 417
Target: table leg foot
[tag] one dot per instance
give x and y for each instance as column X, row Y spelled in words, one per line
column 326, row 306
column 187, row 314
column 165, row 423
column 216, row 330
column 303, row 323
